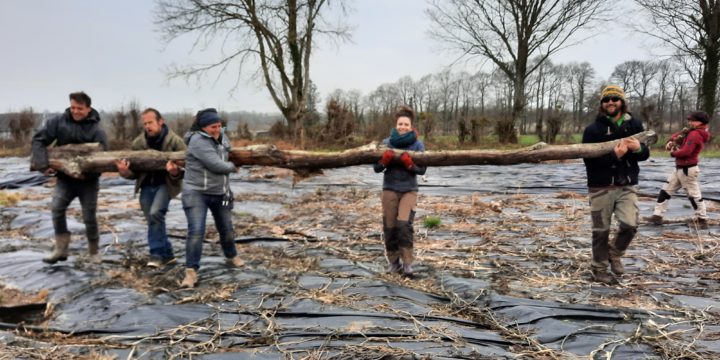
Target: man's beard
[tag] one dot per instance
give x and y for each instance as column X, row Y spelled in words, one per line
column 613, row 113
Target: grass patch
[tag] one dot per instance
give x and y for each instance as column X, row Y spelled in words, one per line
column 432, row 222
column 7, row 199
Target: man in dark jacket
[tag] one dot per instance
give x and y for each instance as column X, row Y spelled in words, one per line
column 156, row 187
column 612, row 182
column 77, row 125
column 685, row 146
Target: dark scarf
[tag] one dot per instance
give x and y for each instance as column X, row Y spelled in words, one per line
column 156, row 177
column 156, row 142
column 402, row 141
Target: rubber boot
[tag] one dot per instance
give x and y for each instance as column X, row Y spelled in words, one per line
column 60, row 253
column 190, row 279
column 406, row 254
column 405, row 239
column 391, row 250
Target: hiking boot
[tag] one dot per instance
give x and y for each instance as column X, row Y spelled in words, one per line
column 604, row 277
column 190, row 279
column 394, row 267
column 702, row 223
column 156, row 262
column 93, row 252
column 616, row 265
column 93, row 248
column 235, row 261
column 60, row 253
column 656, row 220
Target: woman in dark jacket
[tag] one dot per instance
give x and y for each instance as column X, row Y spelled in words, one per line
column 399, row 195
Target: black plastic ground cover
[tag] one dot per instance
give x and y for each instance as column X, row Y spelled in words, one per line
column 341, row 306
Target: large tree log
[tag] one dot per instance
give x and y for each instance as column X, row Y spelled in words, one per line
column 76, row 159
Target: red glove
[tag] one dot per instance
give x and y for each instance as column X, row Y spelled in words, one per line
column 407, row 161
column 387, row 157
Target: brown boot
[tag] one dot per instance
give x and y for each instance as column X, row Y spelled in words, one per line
column 616, row 265
column 236, row 261
column 702, row 223
column 93, row 251
column 656, row 220
column 93, row 248
column 190, row 279
column 60, row 253
column 602, row 276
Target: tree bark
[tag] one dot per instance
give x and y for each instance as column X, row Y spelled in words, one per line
column 76, row 159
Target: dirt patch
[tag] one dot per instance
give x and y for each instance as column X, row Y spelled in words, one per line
column 11, row 297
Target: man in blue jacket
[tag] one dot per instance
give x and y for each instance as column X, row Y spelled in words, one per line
column 612, row 182
column 79, row 124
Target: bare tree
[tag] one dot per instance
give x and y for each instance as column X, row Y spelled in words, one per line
column 136, row 126
column 510, row 32
column 692, row 28
column 580, row 77
column 21, row 124
column 279, row 35
column 119, row 125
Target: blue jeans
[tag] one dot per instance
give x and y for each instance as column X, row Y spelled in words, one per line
column 66, row 190
column 154, row 201
column 196, row 205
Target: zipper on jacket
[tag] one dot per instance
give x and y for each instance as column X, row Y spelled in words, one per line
column 204, row 179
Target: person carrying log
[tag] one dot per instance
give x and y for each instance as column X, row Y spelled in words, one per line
column 399, row 195
column 206, row 186
column 156, row 187
column 685, row 146
column 612, row 182
column 79, row 124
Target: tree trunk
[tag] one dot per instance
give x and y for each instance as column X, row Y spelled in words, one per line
column 76, row 159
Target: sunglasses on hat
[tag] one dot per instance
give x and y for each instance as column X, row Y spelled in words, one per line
column 610, row 98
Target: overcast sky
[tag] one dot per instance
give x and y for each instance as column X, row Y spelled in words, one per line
column 112, row 51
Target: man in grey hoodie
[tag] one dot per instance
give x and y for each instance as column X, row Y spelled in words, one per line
column 206, row 186
column 79, row 124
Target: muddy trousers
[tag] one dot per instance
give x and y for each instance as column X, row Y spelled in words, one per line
column 398, row 215
column 604, row 202
column 686, row 178
column 66, row 190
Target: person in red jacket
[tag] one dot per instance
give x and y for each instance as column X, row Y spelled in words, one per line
column 685, row 146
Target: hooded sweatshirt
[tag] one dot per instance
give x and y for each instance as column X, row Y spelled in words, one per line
column 691, row 146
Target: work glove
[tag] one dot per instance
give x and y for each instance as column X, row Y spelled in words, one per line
column 387, row 157
column 407, row 161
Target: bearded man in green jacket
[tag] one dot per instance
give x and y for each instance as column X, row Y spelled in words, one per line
column 156, row 187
